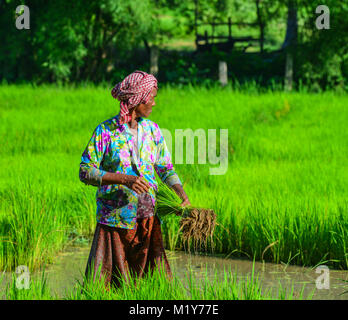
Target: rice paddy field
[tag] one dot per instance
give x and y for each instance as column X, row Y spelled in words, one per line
column 283, row 197
column 231, row 287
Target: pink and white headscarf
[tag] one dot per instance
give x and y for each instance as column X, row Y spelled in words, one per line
column 134, row 89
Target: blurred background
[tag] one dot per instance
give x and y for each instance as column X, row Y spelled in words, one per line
column 267, row 42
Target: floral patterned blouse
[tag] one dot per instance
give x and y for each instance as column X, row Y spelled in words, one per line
column 112, row 149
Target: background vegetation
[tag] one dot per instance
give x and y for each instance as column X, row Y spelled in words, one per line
column 104, row 40
column 286, row 183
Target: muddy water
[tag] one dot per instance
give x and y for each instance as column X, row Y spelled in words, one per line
column 70, row 266
column 272, row 276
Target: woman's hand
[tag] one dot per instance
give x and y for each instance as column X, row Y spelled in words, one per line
column 178, row 188
column 185, row 202
column 137, row 184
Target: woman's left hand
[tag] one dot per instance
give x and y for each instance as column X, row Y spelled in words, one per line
column 185, row 202
column 181, row 193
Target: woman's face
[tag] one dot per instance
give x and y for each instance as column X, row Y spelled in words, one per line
column 144, row 110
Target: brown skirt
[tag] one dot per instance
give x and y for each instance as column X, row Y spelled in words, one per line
column 123, row 251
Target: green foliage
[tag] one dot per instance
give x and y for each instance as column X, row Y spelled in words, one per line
column 37, row 290
column 323, row 56
column 229, row 286
column 167, row 201
column 62, row 47
column 105, row 40
column 286, row 178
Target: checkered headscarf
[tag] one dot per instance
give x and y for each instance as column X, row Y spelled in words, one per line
column 134, row 89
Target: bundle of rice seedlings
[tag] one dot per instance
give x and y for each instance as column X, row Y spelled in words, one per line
column 197, row 224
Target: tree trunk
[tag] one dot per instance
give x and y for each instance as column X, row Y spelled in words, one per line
column 154, row 60
column 288, row 71
column 291, row 26
column 289, row 44
column 223, row 78
column 261, row 24
column 147, row 46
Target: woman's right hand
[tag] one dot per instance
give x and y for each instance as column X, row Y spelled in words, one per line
column 137, row 184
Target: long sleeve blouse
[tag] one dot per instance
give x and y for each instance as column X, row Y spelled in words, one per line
column 114, row 148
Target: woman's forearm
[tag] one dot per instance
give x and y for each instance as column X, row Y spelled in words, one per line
column 180, row 191
column 117, row 178
column 137, row 184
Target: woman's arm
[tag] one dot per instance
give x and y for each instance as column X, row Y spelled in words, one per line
column 92, row 156
column 166, row 171
column 163, row 164
column 137, row 184
column 181, row 193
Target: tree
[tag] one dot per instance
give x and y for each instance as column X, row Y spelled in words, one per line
column 70, row 39
column 289, row 44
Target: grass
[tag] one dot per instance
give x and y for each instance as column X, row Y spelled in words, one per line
column 230, row 287
column 283, row 198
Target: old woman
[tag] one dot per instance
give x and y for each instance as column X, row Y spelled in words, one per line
column 121, row 159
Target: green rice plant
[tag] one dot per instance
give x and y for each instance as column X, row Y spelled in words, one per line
column 230, row 286
column 170, row 232
column 93, row 287
column 290, row 294
column 37, row 289
column 283, row 196
column 168, row 202
column 196, row 224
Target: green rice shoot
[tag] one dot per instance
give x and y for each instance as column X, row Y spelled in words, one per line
column 197, row 224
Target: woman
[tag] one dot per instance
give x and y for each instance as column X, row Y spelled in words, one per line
column 120, row 159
